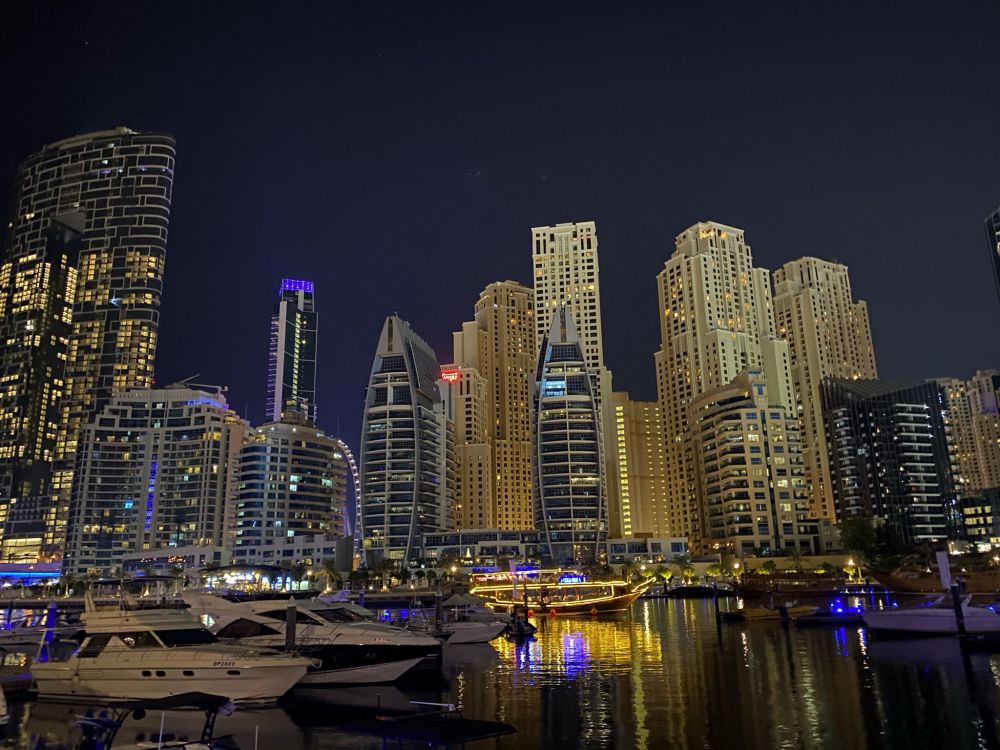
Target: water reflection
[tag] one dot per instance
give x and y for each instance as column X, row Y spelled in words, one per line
column 662, row 676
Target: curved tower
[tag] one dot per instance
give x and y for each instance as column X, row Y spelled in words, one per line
column 80, row 282
column 406, row 446
column 570, row 503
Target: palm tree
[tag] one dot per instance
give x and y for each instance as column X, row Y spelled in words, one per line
column 795, row 561
column 683, row 563
column 328, row 573
column 768, row 567
column 714, row 570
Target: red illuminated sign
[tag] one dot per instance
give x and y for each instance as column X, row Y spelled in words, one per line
column 450, row 375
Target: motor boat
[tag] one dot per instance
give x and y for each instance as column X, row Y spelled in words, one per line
column 934, row 618
column 453, row 631
column 345, row 644
column 131, row 653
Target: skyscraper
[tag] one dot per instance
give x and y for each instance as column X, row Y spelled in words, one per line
column 292, row 482
column 993, row 244
column 571, row 509
column 407, row 448
column 500, row 345
column 464, row 392
column 640, row 455
column 291, row 369
column 87, row 231
column 157, row 469
column 716, row 321
column 984, row 399
column 567, row 273
column 751, row 480
column 828, row 335
column 890, row 456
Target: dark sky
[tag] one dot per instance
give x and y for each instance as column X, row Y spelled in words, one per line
column 398, row 155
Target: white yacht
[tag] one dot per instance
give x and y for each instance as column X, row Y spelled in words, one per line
column 936, row 619
column 347, row 647
column 154, row 653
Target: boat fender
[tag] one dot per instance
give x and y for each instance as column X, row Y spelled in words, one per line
column 552, row 613
column 531, row 613
column 593, row 611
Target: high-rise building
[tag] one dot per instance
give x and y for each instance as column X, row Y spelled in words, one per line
column 984, row 398
column 291, row 369
column 567, row 273
column 641, row 471
column 156, row 469
column 407, row 449
column 464, row 393
column 87, row 231
column 750, row 472
column 993, row 244
column 716, row 321
column 958, row 418
column 828, row 335
column 571, row 510
column 292, row 482
column 500, row 345
column 890, row 456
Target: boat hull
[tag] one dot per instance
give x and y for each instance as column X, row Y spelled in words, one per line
column 472, row 632
column 608, row 605
column 932, row 622
column 241, row 683
column 764, row 613
column 369, row 674
column 979, row 582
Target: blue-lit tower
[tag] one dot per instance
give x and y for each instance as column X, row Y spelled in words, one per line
column 570, row 502
column 291, row 369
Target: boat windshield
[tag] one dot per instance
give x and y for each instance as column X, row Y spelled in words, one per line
column 185, row 637
column 339, row 615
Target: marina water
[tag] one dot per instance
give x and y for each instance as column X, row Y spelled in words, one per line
column 660, row 676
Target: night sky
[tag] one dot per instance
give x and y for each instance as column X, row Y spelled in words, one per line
column 398, row 155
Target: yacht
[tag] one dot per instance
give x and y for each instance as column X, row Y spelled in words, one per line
column 455, row 631
column 130, row 652
column 935, row 618
column 348, row 647
column 555, row 592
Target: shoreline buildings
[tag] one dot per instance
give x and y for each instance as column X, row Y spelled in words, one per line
column 566, row 272
column 157, row 469
column 499, row 347
column 80, row 282
column 891, row 457
column 716, row 320
column 292, row 483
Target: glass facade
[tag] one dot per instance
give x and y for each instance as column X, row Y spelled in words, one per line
column 291, row 370
column 407, row 449
column 570, row 505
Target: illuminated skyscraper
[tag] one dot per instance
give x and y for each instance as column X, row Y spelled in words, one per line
column 500, row 345
column 715, row 322
column 292, row 482
column 80, row 283
column 571, row 510
column 567, row 273
column 291, row 370
column 890, row 456
column 828, row 335
column 407, row 448
column 641, row 466
column 157, row 469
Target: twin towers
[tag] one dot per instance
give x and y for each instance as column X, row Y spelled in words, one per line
column 508, row 435
column 409, row 474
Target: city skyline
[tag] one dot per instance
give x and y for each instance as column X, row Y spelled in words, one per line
column 814, row 198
